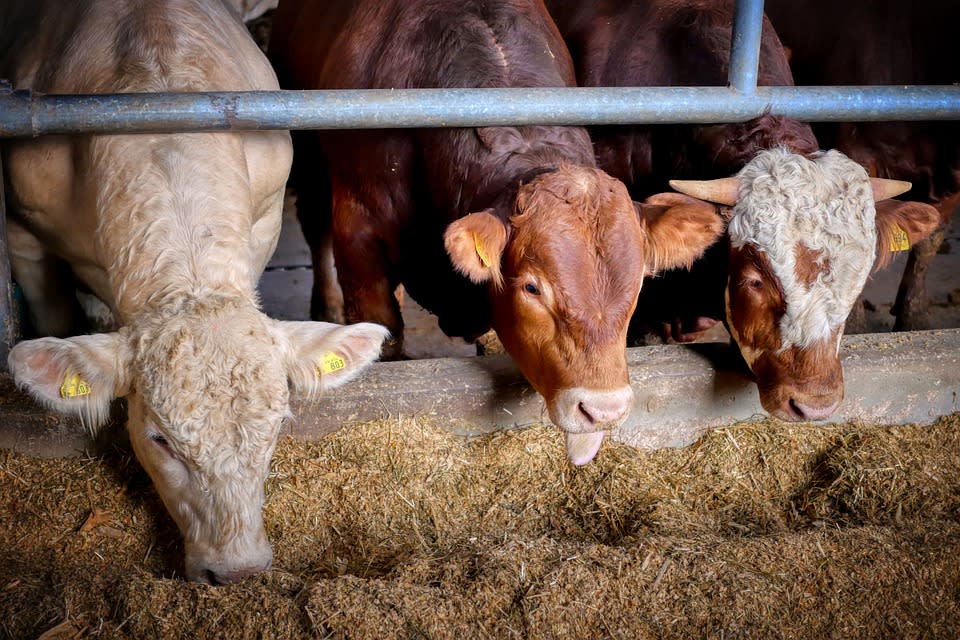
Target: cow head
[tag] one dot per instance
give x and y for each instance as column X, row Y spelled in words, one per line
column 565, row 263
column 804, row 235
column 207, row 392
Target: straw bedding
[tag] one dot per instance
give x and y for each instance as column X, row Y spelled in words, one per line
column 398, row 529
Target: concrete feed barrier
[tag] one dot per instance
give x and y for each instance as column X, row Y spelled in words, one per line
column 681, row 392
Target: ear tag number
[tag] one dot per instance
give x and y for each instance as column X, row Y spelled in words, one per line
column 74, row 386
column 481, row 252
column 330, row 363
column 899, row 240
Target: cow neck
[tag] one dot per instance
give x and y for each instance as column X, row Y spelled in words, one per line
column 185, row 232
column 213, row 303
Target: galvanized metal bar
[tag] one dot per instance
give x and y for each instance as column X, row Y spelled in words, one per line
column 26, row 114
column 745, row 45
column 9, row 320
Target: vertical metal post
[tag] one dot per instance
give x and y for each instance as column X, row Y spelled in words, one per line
column 745, row 45
column 9, row 316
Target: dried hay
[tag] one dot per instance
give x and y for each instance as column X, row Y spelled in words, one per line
column 400, row 530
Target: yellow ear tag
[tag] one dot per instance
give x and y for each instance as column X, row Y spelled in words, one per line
column 74, row 386
column 330, row 363
column 899, row 240
column 481, row 252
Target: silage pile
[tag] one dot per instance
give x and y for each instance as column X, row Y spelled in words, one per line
column 399, row 530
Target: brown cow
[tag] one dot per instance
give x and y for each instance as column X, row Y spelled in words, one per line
column 544, row 247
column 886, row 42
column 172, row 232
column 790, row 340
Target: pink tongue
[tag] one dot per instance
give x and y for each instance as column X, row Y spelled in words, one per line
column 582, row 447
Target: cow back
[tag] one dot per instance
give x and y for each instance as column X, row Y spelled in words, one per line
column 123, row 45
column 886, row 42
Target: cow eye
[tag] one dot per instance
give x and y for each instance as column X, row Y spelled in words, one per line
column 162, row 442
column 754, row 283
column 531, row 289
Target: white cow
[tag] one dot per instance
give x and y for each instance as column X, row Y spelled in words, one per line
column 172, row 231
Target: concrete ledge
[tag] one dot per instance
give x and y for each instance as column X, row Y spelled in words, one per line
column 681, row 392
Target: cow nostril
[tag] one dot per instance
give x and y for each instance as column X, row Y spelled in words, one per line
column 221, row 579
column 796, row 410
column 586, row 413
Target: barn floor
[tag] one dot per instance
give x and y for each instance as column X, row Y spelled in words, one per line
column 402, row 530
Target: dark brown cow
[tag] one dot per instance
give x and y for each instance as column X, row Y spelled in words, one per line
column 785, row 280
column 545, row 248
column 622, row 43
column 886, row 42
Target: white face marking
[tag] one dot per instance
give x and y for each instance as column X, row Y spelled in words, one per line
column 827, row 205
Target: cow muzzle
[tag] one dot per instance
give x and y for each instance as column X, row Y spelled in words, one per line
column 222, row 567
column 585, row 415
column 793, row 405
column 806, row 386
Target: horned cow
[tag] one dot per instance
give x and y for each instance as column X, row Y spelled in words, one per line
column 804, row 234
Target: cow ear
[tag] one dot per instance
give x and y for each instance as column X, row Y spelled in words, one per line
column 323, row 356
column 678, row 229
column 901, row 224
column 76, row 376
column 475, row 244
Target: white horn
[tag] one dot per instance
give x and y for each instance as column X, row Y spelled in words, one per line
column 721, row 191
column 884, row 189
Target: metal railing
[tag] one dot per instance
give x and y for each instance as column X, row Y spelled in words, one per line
column 23, row 113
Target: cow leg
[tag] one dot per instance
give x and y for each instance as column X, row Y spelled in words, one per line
column 48, row 285
column 315, row 213
column 857, row 320
column 326, row 301
column 365, row 273
column 911, row 306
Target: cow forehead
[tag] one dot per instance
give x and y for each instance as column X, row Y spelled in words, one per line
column 577, row 211
column 799, row 211
column 216, row 383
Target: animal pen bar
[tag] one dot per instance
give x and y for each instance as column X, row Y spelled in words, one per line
column 24, row 114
